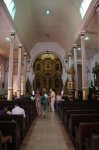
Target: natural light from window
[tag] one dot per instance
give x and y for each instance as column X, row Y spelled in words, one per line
column 11, row 7
column 84, row 6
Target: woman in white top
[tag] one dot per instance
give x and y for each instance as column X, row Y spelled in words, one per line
column 52, row 96
column 58, row 97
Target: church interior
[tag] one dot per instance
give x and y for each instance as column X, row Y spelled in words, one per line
column 49, row 47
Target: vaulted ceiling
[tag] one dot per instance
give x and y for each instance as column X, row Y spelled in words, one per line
column 33, row 25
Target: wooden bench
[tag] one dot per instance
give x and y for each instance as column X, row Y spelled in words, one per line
column 20, row 120
column 94, row 142
column 75, row 119
column 63, row 110
column 29, row 113
column 11, row 128
column 78, row 111
column 84, row 131
column 77, row 103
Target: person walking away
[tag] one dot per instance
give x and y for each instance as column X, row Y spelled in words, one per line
column 43, row 102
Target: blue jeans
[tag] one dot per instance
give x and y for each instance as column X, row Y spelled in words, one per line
column 44, row 106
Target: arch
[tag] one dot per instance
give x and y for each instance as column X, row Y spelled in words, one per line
column 50, row 52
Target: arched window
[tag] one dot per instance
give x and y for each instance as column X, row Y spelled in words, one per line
column 84, row 6
column 11, row 7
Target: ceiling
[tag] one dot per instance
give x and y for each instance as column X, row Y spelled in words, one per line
column 33, row 25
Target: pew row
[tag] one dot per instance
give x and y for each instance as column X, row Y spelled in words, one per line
column 84, row 132
column 13, row 129
column 75, row 120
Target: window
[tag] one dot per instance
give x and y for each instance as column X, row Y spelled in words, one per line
column 84, row 6
column 11, row 7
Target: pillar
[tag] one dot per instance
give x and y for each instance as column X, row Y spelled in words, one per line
column 75, row 68
column 97, row 10
column 24, row 80
column 19, row 72
column 83, row 57
column 10, row 75
column 69, row 66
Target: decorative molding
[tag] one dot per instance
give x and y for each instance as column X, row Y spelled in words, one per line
column 74, row 45
column 12, row 33
column 82, row 33
column 25, row 54
column 20, row 45
column 69, row 54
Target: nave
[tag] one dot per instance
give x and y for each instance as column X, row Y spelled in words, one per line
column 47, row 134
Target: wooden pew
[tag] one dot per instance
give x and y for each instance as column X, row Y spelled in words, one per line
column 75, row 119
column 77, row 103
column 20, row 120
column 11, row 128
column 78, row 111
column 94, row 142
column 64, row 108
column 84, row 131
column 29, row 113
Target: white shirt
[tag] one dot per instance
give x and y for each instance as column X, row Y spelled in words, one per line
column 32, row 97
column 33, row 93
column 52, row 95
column 58, row 97
column 46, row 95
column 18, row 111
column 61, row 92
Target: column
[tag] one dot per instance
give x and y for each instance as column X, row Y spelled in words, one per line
column 10, row 75
column 69, row 66
column 24, row 80
column 64, row 77
column 19, row 72
column 75, row 68
column 97, row 10
column 83, row 57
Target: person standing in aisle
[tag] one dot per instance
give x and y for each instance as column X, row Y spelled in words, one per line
column 44, row 101
column 52, row 96
column 58, row 97
column 38, row 97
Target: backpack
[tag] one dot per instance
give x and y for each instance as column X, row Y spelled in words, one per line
column 43, row 101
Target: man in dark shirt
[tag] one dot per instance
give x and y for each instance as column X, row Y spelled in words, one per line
column 5, row 110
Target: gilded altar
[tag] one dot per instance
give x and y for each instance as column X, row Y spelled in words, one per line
column 48, row 70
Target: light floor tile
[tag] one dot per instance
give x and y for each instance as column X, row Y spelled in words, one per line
column 47, row 134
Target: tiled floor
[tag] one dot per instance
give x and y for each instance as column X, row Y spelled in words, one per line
column 47, row 134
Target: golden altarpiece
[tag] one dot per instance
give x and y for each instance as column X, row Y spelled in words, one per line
column 48, row 72
column 71, row 84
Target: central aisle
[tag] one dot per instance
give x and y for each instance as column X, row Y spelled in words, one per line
column 47, row 134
